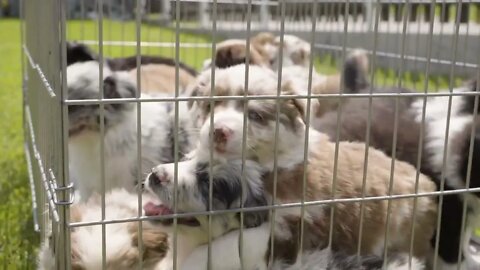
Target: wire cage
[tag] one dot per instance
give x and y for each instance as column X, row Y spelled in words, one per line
column 411, row 93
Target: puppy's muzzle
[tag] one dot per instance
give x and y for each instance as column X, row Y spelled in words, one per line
column 158, row 178
column 221, row 134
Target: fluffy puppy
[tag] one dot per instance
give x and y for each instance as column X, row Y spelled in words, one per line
column 355, row 72
column 227, row 192
column 264, row 51
column 353, row 126
column 193, row 192
column 193, row 196
column 120, row 133
column 261, row 118
column 122, row 239
column 157, row 74
column 456, row 170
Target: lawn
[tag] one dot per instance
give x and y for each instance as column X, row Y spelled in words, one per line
column 18, row 241
column 17, row 237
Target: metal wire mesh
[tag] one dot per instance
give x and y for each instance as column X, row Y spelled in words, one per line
column 425, row 46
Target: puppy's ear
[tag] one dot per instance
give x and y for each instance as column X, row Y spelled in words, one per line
column 77, row 52
column 230, row 55
column 297, row 107
column 469, row 101
column 155, row 242
column 119, row 86
column 301, row 56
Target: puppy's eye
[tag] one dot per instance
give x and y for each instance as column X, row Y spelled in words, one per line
column 254, row 116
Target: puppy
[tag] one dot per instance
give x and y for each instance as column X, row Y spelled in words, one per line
column 355, row 72
column 122, row 239
column 261, row 118
column 353, row 127
column 193, row 196
column 157, row 74
column 120, row 131
column 264, row 51
column 456, row 168
column 227, row 187
column 227, row 191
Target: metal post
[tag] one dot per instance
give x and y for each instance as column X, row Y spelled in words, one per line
column 203, row 15
column 264, row 14
column 166, row 8
column 369, row 16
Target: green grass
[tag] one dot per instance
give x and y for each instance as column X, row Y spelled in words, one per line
column 126, row 31
column 17, row 238
column 18, row 241
column 327, row 64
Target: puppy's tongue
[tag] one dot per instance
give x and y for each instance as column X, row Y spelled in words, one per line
column 152, row 209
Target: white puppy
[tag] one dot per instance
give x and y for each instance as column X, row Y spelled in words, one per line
column 120, row 131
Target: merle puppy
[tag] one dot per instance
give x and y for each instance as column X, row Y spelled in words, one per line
column 228, row 191
column 120, row 131
column 353, row 127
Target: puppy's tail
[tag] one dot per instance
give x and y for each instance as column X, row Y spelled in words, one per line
column 355, row 71
column 326, row 259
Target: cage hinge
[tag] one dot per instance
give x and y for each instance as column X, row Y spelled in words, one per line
column 68, row 191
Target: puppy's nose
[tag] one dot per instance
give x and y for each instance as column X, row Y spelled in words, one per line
column 221, row 134
column 157, row 178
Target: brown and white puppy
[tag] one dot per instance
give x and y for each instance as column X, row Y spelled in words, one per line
column 354, row 75
column 122, row 251
column 288, row 156
column 353, row 127
column 157, row 73
column 228, row 189
column 265, row 50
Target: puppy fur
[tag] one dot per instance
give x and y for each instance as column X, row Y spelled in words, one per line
column 354, row 77
column 157, row 74
column 461, row 124
column 155, row 78
column 234, row 51
column 353, row 126
column 319, row 173
column 227, row 248
column 296, row 52
column 78, row 52
column 120, row 142
column 227, row 190
column 121, row 247
column 264, row 51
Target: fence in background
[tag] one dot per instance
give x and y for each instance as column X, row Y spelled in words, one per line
column 381, row 22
